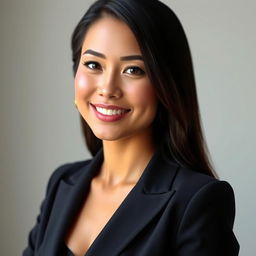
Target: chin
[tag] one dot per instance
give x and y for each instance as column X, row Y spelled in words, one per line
column 107, row 136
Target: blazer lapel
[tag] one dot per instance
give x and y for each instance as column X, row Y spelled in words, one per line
column 70, row 195
column 147, row 198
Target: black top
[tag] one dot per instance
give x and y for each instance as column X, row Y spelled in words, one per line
column 65, row 251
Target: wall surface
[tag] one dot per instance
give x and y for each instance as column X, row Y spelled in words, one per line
column 40, row 126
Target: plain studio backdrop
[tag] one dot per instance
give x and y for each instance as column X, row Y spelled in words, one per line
column 40, row 127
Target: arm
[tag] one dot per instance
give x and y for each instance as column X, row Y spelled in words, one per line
column 35, row 235
column 207, row 223
column 29, row 251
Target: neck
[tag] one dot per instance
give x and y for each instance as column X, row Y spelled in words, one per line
column 126, row 159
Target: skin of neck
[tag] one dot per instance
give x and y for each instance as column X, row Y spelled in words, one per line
column 126, row 159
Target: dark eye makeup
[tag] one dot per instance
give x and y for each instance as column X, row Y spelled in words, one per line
column 92, row 65
column 134, row 71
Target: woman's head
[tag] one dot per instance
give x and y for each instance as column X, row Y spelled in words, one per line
column 168, row 64
column 112, row 90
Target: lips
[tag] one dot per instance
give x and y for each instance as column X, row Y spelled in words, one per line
column 109, row 113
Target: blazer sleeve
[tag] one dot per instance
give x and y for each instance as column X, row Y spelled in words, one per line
column 35, row 234
column 206, row 227
column 32, row 237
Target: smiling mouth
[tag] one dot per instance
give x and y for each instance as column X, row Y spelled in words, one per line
column 110, row 110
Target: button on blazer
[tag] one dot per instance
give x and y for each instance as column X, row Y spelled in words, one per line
column 172, row 210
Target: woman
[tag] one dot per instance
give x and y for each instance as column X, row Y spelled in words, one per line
column 150, row 189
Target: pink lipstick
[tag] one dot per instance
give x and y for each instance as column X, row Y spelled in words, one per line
column 109, row 113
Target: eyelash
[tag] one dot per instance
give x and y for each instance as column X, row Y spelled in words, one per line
column 137, row 71
column 88, row 63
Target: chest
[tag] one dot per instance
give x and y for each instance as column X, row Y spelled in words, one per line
column 96, row 211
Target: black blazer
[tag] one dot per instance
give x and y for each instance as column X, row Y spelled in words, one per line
column 170, row 211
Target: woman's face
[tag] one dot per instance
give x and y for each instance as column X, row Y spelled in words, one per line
column 112, row 90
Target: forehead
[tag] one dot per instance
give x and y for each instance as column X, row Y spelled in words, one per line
column 109, row 34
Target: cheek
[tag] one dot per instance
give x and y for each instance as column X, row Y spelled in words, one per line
column 142, row 94
column 83, row 85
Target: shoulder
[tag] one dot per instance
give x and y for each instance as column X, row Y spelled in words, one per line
column 191, row 182
column 67, row 171
column 205, row 214
column 197, row 190
column 199, row 194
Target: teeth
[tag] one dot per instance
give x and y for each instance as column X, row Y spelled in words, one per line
column 110, row 112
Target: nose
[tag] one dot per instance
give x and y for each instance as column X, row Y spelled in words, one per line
column 109, row 86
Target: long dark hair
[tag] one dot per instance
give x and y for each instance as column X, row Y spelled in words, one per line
column 165, row 50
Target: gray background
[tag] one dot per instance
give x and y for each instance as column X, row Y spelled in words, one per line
column 40, row 126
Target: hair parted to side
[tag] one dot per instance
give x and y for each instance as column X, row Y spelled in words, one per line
column 168, row 63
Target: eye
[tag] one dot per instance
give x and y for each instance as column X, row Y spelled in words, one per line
column 134, row 71
column 92, row 65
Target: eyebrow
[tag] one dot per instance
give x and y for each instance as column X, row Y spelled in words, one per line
column 92, row 52
column 131, row 57
column 123, row 58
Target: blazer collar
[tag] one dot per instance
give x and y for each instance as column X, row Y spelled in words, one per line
column 157, row 177
column 151, row 193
